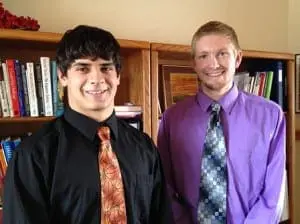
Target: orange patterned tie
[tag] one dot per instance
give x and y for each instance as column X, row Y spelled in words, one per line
column 113, row 209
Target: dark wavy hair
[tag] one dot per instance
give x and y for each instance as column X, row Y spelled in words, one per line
column 87, row 42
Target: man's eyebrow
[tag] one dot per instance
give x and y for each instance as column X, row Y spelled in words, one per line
column 107, row 64
column 80, row 64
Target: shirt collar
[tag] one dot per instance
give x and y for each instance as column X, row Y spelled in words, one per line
column 227, row 101
column 88, row 126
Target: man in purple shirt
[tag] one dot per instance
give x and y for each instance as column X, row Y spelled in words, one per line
column 253, row 130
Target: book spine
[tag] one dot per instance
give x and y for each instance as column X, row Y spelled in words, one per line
column 47, row 89
column 13, row 87
column 39, row 88
column 7, row 87
column 25, row 88
column 32, row 97
column 3, row 100
column 20, row 88
column 269, row 84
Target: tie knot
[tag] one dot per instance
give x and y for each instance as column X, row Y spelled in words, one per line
column 104, row 133
column 215, row 107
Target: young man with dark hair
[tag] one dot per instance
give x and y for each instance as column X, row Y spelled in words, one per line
column 87, row 166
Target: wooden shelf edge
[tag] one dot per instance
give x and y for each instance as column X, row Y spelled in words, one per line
column 171, row 47
column 48, row 37
column 134, row 44
column 268, row 55
column 11, row 34
column 25, row 119
column 246, row 53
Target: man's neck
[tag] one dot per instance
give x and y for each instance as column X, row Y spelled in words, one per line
column 216, row 95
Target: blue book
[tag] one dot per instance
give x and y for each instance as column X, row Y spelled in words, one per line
column 25, row 88
column 8, row 148
column 58, row 105
column 20, row 88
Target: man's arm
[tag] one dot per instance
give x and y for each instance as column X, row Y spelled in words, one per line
column 25, row 197
column 161, row 211
column 165, row 155
column 163, row 148
column 269, row 206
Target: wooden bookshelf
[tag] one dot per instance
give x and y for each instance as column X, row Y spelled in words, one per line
column 179, row 55
column 30, row 45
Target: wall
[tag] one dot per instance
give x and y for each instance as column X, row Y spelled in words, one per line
column 172, row 21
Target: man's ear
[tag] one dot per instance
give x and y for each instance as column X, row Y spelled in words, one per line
column 63, row 79
column 239, row 57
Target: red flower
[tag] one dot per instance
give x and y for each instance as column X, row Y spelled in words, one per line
column 11, row 21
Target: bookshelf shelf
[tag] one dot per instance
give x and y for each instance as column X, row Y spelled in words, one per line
column 10, row 34
column 25, row 119
column 48, row 37
column 179, row 55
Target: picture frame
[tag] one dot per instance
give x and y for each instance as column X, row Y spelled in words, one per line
column 178, row 82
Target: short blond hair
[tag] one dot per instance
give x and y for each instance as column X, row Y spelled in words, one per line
column 215, row 27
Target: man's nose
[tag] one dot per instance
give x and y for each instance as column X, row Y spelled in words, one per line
column 213, row 61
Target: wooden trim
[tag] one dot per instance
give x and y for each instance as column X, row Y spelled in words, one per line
column 291, row 144
column 48, row 37
column 170, row 47
column 24, row 119
column 154, row 95
column 246, row 53
column 147, row 91
column 268, row 55
column 134, row 44
column 11, row 34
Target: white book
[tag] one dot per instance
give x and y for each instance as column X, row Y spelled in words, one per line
column 127, row 108
column 47, row 88
column 32, row 97
column 3, row 100
column 7, row 88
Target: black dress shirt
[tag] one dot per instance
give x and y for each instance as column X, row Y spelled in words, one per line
column 54, row 177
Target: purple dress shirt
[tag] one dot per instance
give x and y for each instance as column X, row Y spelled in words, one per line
column 255, row 135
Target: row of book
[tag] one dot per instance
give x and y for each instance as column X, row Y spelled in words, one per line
column 7, row 147
column 259, row 84
column 268, row 83
column 30, row 88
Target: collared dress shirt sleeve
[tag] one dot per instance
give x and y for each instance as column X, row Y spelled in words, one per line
column 269, row 205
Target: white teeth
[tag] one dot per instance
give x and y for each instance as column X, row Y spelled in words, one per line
column 215, row 74
column 96, row 92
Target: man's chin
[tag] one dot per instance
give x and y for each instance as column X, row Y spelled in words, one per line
column 214, row 86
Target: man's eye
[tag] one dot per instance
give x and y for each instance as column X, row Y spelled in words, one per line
column 203, row 56
column 106, row 69
column 82, row 69
column 223, row 53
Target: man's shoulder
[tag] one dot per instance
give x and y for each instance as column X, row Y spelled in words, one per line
column 131, row 130
column 259, row 103
column 135, row 135
column 182, row 106
column 44, row 136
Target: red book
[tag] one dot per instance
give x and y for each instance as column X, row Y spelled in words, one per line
column 262, row 83
column 13, row 87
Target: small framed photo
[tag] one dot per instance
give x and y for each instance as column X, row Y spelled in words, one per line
column 178, row 83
